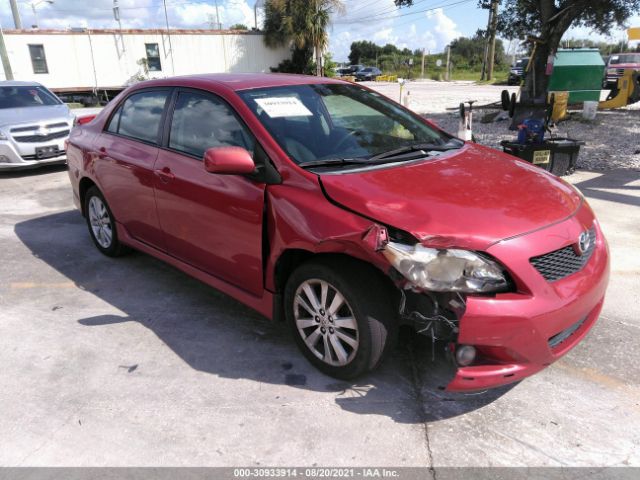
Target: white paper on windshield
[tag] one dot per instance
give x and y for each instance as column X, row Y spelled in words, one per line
column 283, row 107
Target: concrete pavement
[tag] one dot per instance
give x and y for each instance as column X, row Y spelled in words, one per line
column 128, row 362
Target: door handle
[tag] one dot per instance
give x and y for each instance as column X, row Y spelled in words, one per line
column 165, row 175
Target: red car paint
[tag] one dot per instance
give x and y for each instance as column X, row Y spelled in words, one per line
column 216, row 227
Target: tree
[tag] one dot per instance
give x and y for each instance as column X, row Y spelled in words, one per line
column 239, row 26
column 544, row 22
column 471, row 50
column 548, row 20
column 301, row 24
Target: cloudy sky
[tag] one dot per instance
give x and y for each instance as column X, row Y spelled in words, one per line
column 429, row 24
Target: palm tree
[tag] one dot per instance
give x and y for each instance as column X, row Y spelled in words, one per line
column 304, row 23
column 318, row 20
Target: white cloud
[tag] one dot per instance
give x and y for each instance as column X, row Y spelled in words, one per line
column 444, row 29
column 432, row 30
column 133, row 14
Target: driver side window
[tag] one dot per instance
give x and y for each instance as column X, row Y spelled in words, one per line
column 201, row 121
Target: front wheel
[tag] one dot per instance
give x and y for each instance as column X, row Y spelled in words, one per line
column 341, row 316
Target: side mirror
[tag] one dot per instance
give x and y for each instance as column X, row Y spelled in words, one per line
column 228, row 161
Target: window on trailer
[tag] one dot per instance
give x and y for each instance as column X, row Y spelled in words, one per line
column 38, row 59
column 153, row 57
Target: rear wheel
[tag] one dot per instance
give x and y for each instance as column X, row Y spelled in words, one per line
column 341, row 316
column 102, row 225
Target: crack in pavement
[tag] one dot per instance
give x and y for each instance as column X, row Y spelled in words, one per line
column 416, row 384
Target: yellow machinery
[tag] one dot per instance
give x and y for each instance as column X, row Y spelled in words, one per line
column 560, row 104
column 626, row 92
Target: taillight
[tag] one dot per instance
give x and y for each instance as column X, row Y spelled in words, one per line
column 82, row 120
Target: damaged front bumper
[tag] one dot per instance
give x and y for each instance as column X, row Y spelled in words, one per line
column 519, row 333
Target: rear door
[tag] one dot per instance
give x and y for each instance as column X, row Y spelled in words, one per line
column 127, row 150
column 213, row 222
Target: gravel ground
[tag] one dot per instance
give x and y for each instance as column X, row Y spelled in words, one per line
column 612, row 139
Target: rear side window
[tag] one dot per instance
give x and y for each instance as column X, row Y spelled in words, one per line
column 140, row 116
column 202, row 121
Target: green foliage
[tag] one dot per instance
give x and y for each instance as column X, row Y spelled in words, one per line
column 239, row 26
column 519, row 18
column 365, row 52
column 550, row 19
column 604, row 47
column 300, row 23
column 300, row 62
column 470, row 51
column 329, row 66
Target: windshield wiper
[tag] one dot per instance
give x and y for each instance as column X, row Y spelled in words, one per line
column 401, row 153
column 325, row 162
column 408, row 152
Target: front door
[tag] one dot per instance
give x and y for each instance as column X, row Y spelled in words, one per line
column 211, row 221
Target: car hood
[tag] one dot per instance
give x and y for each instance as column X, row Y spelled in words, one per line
column 15, row 116
column 470, row 198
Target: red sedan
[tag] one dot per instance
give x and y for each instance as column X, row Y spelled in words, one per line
column 328, row 205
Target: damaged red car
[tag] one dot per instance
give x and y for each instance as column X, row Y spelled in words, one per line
column 327, row 205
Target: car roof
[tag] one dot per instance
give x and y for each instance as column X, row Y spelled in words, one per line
column 239, row 81
column 18, row 83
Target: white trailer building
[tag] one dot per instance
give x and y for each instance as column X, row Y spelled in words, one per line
column 85, row 60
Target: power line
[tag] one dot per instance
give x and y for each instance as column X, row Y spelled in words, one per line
column 375, row 17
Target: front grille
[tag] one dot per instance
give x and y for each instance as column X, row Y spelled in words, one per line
column 33, row 157
column 40, row 138
column 31, row 128
column 561, row 263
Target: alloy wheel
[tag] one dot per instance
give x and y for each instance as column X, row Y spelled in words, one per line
column 326, row 322
column 100, row 222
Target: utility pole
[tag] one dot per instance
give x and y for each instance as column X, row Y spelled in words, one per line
column 166, row 21
column 422, row 69
column 6, row 65
column 16, row 14
column 492, row 38
column 255, row 15
column 448, row 74
column 485, row 57
column 218, row 16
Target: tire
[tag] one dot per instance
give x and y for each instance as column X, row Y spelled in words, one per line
column 505, row 100
column 355, row 346
column 101, row 224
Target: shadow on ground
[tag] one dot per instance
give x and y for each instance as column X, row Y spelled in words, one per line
column 32, row 171
column 613, row 186
column 215, row 334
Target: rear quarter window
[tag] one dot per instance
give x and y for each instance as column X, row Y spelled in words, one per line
column 140, row 116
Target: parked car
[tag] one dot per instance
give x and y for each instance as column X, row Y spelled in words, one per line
column 516, row 73
column 332, row 207
column 367, row 74
column 617, row 64
column 34, row 125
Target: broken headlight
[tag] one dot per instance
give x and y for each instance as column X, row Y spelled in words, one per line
column 446, row 270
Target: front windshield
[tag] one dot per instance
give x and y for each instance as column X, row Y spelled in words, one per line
column 327, row 121
column 26, row 96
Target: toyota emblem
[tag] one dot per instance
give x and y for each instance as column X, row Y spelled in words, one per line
column 584, row 242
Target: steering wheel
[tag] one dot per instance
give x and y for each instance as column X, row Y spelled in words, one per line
column 350, row 134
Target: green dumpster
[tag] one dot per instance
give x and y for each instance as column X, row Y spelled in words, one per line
column 578, row 71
